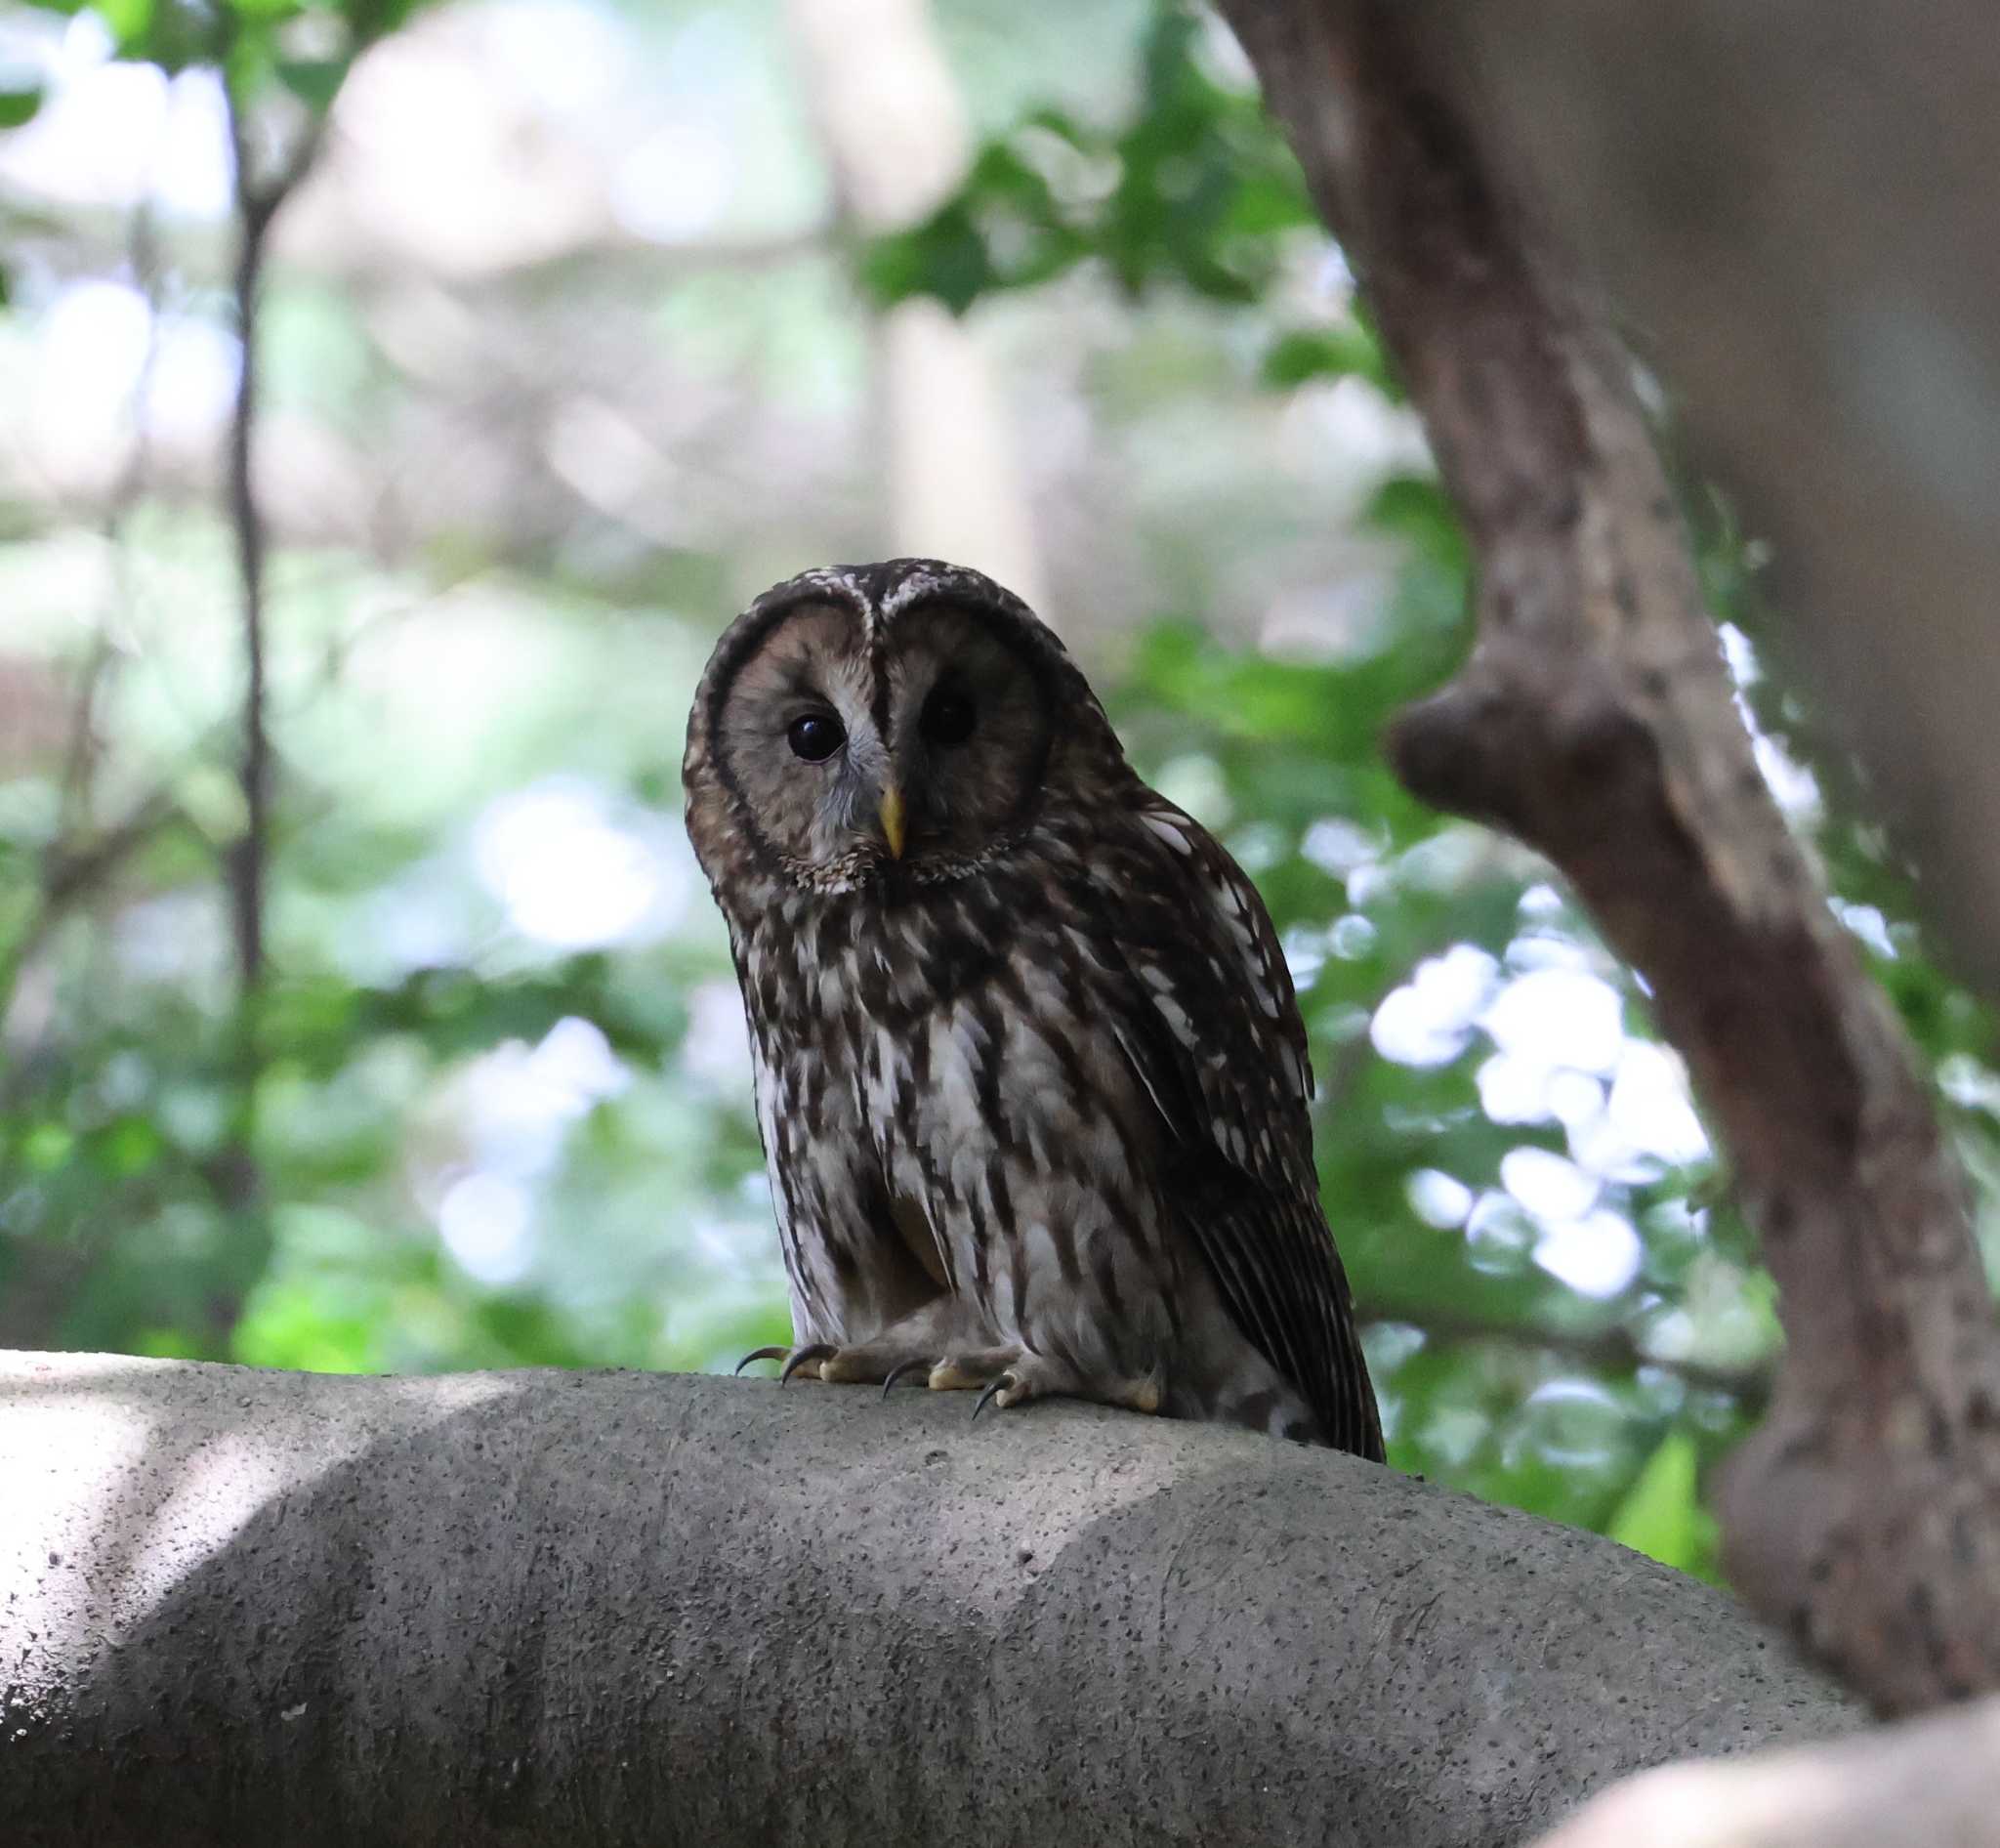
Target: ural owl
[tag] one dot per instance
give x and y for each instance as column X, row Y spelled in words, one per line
column 1030, row 1075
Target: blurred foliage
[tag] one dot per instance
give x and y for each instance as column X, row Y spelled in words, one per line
column 1196, row 189
column 1192, row 189
column 503, row 1118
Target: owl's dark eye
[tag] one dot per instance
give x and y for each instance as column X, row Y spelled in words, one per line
column 815, row 736
column 949, row 717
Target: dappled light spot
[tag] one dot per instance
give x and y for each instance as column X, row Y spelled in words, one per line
column 1559, row 1018
column 1650, row 1107
column 1304, row 954
column 158, row 1499
column 1257, row 848
column 516, row 1107
column 569, row 875
column 1438, row 1199
column 1575, row 1098
column 675, row 184
column 1337, row 846
column 568, row 55
column 1868, row 923
column 1352, row 937
column 1546, row 1183
column 1598, row 1255
column 1513, row 1090
column 1428, row 1020
column 1570, row 1423
column 118, row 130
column 519, row 1101
column 1194, row 783
column 1498, row 1235
column 1795, row 787
column 487, row 1224
column 717, row 1046
column 100, row 351
column 1454, row 1434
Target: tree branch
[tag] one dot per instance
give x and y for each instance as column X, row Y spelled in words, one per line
column 1927, row 1781
column 259, row 198
column 628, row 1607
column 1595, row 721
column 257, row 203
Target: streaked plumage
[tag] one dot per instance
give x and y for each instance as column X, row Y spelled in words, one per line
column 1033, row 1091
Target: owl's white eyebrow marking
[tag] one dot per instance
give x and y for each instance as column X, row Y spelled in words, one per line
column 913, row 588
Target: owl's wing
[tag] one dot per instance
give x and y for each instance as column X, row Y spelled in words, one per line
column 1207, row 1017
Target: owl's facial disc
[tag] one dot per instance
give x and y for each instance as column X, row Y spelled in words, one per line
column 796, row 733
column 969, row 731
column 902, row 749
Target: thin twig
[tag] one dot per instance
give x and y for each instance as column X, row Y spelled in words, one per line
column 236, row 1173
column 257, row 202
column 249, row 857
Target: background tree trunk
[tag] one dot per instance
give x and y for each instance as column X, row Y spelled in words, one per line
column 1797, row 207
column 1596, row 721
column 894, row 129
column 628, row 1607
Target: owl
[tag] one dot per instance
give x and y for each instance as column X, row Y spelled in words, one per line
column 1030, row 1075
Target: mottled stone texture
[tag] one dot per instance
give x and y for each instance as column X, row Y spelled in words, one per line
column 243, row 1606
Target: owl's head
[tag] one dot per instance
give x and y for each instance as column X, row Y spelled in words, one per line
column 899, row 722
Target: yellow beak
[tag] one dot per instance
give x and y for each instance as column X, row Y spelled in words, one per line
column 892, row 820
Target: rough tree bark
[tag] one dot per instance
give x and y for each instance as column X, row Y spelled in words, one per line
column 626, row 1607
column 1798, row 207
column 1928, row 1781
column 1595, row 721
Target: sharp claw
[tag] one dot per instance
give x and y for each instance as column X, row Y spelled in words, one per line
column 999, row 1383
column 803, row 1357
column 760, row 1354
column 901, row 1367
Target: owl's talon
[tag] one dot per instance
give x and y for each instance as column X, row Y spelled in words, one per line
column 760, row 1354
column 805, row 1357
column 919, row 1363
column 1003, row 1389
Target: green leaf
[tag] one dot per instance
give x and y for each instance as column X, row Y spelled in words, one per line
column 1661, row 1514
column 314, row 81
column 130, row 22
column 1328, row 353
column 1415, row 510
column 46, row 1147
column 129, row 1145
column 945, row 257
column 294, row 1325
column 19, row 103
